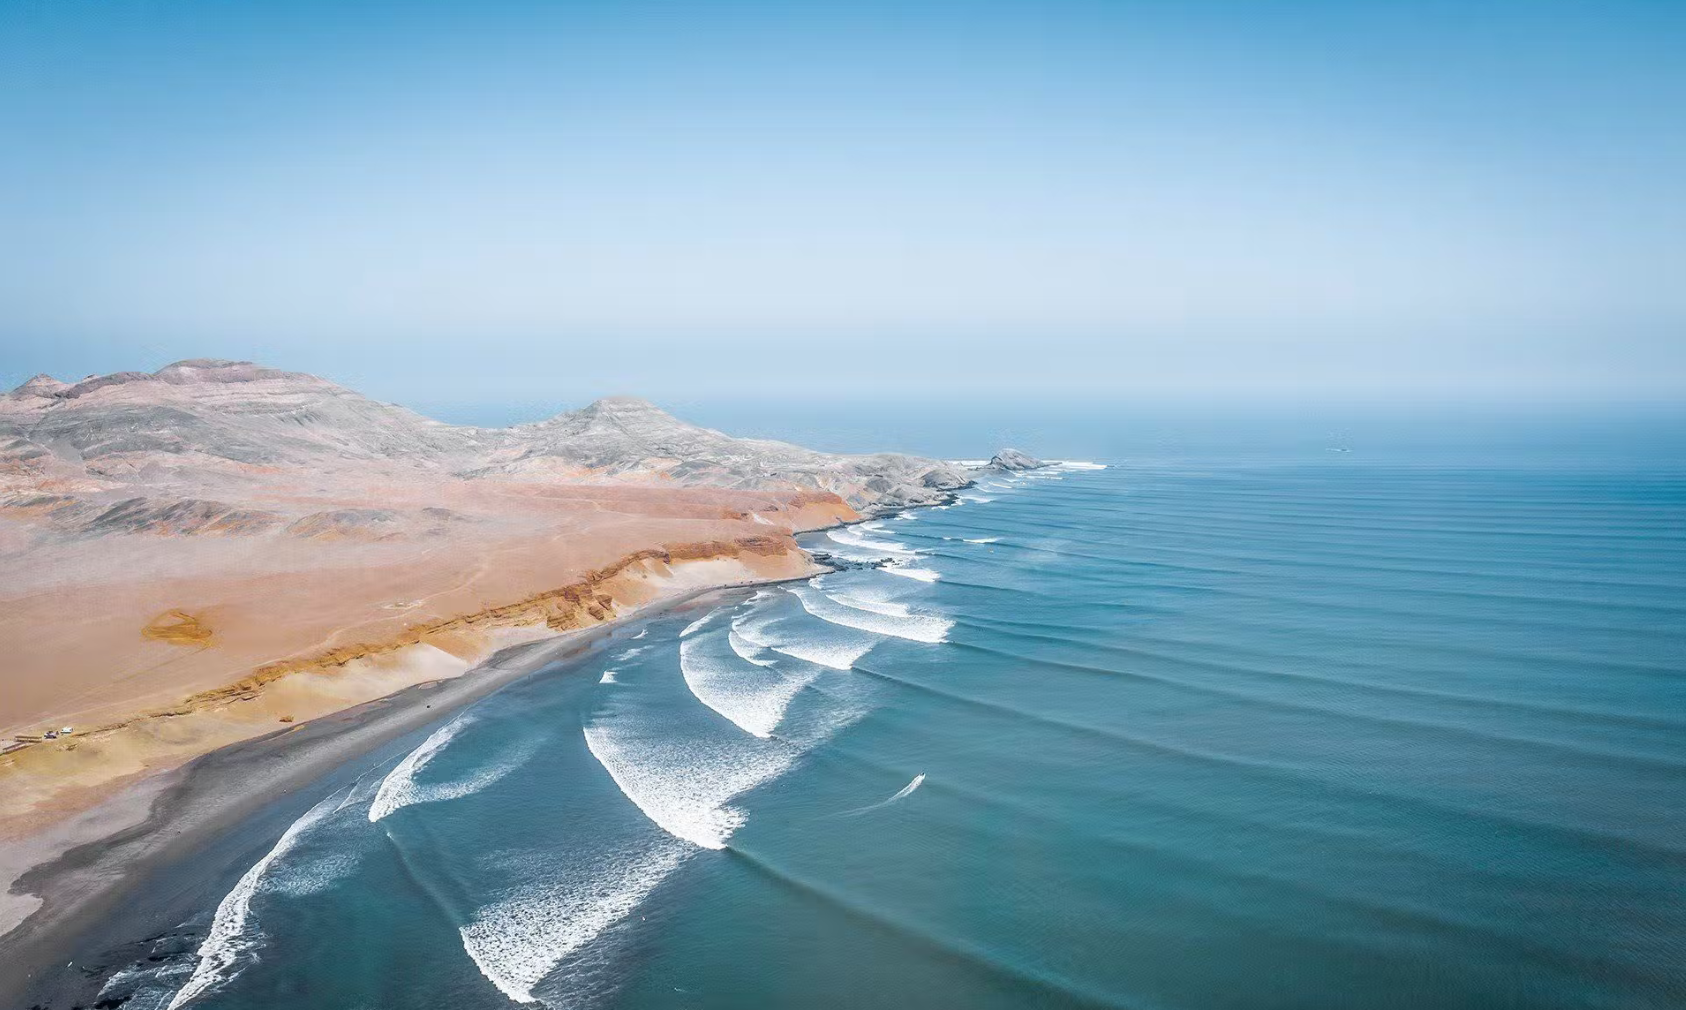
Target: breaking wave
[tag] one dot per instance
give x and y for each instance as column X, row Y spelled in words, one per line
column 874, row 616
column 908, row 572
column 399, row 789
column 683, row 783
column 838, row 650
column 849, row 538
column 518, row 940
column 753, row 697
column 699, row 623
column 233, row 934
column 747, row 651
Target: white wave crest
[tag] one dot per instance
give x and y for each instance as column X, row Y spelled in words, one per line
column 1078, row 464
column 399, row 789
column 849, row 538
column 699, row 623
column 682, row 782
column 232, row 930
column 747, row 651
column 830, row 649
column 838, row 654
column 981, row 540
column 906, row 572
column 518, row 940
column 752, row 697
column 877, row 617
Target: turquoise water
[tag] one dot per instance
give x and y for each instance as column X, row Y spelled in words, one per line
column 1171, row 736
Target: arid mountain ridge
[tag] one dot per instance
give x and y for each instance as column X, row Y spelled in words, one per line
column 191, row 447
column 199, row 555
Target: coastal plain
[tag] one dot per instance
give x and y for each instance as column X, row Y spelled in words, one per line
column 218, row 551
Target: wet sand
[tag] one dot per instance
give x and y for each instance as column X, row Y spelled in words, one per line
column 182, row 837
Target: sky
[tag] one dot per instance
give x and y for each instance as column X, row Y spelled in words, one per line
column 498, row 206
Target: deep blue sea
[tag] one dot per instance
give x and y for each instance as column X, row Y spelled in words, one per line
column 1321, row 731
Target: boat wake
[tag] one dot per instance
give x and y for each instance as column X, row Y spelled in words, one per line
column 901, row 794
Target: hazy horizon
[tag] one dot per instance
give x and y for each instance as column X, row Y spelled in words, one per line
column 453, row 206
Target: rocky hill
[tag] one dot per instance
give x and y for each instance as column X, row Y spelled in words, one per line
column 192, row 447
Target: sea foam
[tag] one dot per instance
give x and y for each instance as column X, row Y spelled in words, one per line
column 518, row 940
column 747, row 651
column 827, row 646
column 849, row 538
column 233, row 932
column 875, row 616
column 698, row 624
column 683, row 781
column 752, row 695
column 399, row 789
column 908, row 572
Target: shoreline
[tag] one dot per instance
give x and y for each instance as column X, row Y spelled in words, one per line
column 80, row 869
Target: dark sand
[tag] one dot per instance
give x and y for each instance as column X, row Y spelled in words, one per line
column 109, row 899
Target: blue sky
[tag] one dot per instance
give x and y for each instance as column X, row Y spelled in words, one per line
column 456, row 204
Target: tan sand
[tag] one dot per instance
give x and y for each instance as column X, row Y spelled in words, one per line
column 157, row 649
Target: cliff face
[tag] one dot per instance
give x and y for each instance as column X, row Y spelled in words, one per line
column 363, row 661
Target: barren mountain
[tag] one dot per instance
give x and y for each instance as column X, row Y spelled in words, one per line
column 196, row 554
column 168, row 450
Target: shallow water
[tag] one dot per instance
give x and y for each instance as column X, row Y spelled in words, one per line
column 1321, row 735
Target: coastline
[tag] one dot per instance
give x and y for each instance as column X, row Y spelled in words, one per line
column 82, row 868
column 72, row 873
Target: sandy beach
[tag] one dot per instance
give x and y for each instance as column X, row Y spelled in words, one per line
column 224, row 581
column 69, row 879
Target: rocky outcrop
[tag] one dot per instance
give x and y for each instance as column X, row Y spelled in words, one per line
column 1012, row 460
column 627, row 438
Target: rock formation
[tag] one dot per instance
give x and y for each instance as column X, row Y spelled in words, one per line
column 1012, row 459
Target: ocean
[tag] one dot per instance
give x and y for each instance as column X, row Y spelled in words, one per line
column 1316, row 731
